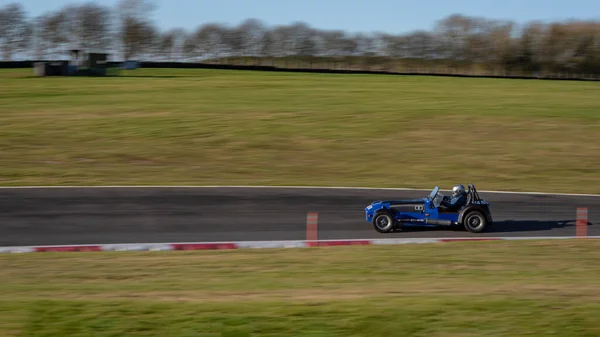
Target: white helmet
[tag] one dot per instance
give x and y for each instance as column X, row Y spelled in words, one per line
column 458, row 189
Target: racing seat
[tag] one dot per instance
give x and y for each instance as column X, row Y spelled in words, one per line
column 469, row 198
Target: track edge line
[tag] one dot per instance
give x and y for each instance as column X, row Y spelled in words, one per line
column 228, row 245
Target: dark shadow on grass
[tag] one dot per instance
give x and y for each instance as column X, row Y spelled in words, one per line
column 114, row 76
column 160, row 76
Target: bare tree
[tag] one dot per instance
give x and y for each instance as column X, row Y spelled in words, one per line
column 252, row 35
column 499, row 42
column 268, row 44
column 53, row 34
column 179, row 36
column 366, row 44
column 454, row 32
column 233, row 42
column 283, row 41
column 330, row 43
column 302, row 39
column 15, row 30
column 88, row 26
column 137, row 33
column 572, row 46
column 212, row 41
column 417, row 45
column 166, row 46
column 530, row 51
column 189, row 48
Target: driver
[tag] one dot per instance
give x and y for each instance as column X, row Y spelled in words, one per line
column 458, row 200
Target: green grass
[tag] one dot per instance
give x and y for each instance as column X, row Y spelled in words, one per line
column 157, row 127
column 450, row 290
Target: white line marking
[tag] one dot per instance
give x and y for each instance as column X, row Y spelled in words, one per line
column 289, row 187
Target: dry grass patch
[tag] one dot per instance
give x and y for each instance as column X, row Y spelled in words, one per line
column 547, row 288
column 228, row 127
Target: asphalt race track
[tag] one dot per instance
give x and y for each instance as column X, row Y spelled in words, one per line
column 61, row 216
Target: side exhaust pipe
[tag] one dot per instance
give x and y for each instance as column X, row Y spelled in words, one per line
column 438, row 222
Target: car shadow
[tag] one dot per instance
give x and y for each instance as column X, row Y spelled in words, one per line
column 507, row 226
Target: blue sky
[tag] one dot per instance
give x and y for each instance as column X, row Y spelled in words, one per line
column 390, row 16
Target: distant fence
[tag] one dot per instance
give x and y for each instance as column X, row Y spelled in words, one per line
column 340, row 68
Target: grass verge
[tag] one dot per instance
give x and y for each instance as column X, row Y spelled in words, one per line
column 190, row 126
column 461, row 289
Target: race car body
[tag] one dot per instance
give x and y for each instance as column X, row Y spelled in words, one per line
column 390, row 215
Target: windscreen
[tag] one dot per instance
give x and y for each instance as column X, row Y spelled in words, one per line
column 434, row 192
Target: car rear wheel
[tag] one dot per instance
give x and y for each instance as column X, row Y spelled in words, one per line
column 383, row 222
column 475, row 222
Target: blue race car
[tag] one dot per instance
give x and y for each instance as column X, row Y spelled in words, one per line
column 390, row 215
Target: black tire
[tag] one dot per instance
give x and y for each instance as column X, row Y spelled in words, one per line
column 383, row 222
column 475, row 222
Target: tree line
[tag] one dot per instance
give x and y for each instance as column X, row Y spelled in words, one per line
column 458, row 41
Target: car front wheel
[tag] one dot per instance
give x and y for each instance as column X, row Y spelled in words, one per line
column 383, row 222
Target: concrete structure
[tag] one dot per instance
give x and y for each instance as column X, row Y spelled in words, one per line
column 82, row 63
